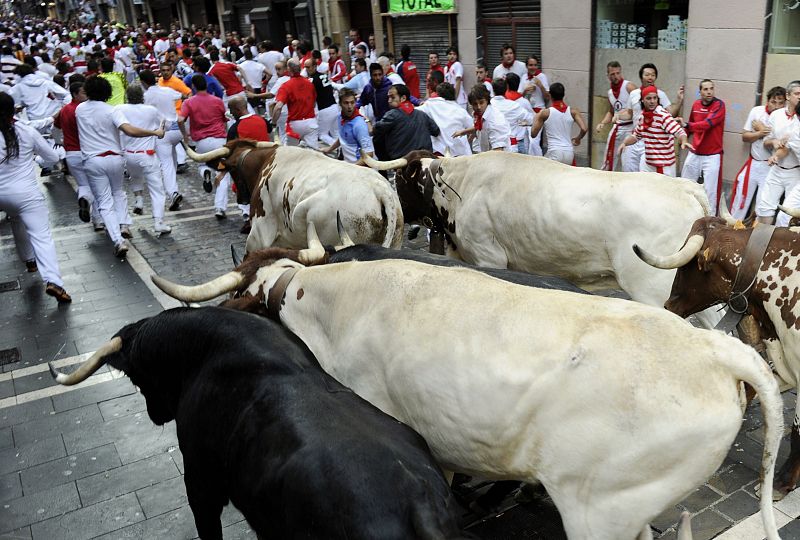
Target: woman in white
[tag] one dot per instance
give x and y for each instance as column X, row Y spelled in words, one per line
column 99, row 125
column 22, row 200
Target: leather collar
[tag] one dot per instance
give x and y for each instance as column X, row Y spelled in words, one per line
column 278, row 292
column 738, row 301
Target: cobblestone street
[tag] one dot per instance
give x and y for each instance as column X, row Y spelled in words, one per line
column 87, row 462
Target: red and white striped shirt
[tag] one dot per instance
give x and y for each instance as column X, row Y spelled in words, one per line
column 659, row 137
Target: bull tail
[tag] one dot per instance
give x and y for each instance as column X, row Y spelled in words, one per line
column 754, row 371
column 392, row 219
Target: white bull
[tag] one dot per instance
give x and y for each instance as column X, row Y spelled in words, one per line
column 617, row 408
column 291, row 187
column 536, row 215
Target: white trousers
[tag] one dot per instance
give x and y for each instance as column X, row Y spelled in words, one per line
column 76, row 169
column 711, row 168
column 616, row 136
column 307, row 129
column 750, row 178
column 144, row 168
column 669, row 170
column 328, row 124
column 30, row 224
column 167, row 153
column 106, row 177
column 777, row 182
column 221, row 194
column 633, row 157
column 560, row 154
column 792, row 200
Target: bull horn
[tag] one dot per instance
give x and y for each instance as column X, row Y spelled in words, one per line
column 685, row 526
column 724, row 213
column 794, row 212
column 344, row 238
column 384, row 165
column 91, row 365
column 269, row 144
column 315, row 251
column 676, row 260
column 235, row 256
column 200, row 293
column 208, row 156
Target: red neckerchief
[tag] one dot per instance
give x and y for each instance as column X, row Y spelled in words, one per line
column 450, row 64
column 513, row 95
column 488, row 79
column 537, row 72
column 478, row 121
column 509, row 65
column 407, row 107
column 559, row 105
column 789, row 116
column 615, row 88
column 346, row 119
column 434, row 94
column 295, row 75
column 304, row 58
column 291, row 50
column 390, row 70
column 648, row 117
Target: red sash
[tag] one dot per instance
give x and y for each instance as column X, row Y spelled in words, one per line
column 745, row 182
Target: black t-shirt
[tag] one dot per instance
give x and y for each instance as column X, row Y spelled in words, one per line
column 324, row 90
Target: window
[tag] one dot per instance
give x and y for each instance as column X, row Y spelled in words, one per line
column 784, row 35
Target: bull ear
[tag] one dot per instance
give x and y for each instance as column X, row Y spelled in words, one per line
column 706, row 258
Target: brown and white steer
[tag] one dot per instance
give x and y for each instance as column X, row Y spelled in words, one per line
column 587, row 395
column 536, row 215
column 289, row 187
column 706, row 269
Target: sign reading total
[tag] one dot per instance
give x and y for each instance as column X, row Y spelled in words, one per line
column 414, row 6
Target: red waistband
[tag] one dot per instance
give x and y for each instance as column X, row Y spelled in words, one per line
column 108, row 153
column 514, row 141
column 148, row 152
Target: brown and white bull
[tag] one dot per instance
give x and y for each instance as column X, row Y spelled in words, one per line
column 536, row 215
column 707, row 266
column 289, row 187
column 587, row 395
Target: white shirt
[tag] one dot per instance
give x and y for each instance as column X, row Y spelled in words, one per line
column 517, row 67
column 451, row 75
column 496, row 132
column 757, row 149
column 34, row 91
column 253, row 73
column 163, row 99
column 515, row 115
column 536, row 96
column 160, row 47
column 269, row 59
column 784, row 126
column 558, row 129
column 450, row 117
column 621, row 101
column 394, row 78
column 141, row 116
column 17, row 174
column 98, row 128
column 635, row 103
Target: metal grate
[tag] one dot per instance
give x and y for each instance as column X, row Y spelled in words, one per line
column 7, row 286
column 424, row 34
column 9, row 356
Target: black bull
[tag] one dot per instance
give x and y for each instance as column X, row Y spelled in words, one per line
column 261, row 425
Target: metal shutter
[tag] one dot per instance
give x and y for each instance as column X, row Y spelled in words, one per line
column 243, row 20
column 424, row 34
column 509, row 21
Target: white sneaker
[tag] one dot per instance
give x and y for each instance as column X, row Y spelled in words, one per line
column 161, row 228
column 138, row 205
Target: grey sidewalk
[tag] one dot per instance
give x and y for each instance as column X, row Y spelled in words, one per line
column 86, row 461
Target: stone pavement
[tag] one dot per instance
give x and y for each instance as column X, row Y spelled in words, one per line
column 86, row 462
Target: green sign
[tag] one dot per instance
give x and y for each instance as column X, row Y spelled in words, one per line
column 417, row 6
